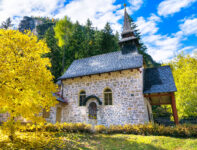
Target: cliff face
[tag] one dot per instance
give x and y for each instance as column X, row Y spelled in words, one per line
column 37, row 25
column 28, row 23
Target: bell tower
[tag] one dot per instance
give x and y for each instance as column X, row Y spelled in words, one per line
column 129, row 41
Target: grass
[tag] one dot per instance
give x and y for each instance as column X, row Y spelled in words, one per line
column 60, row 140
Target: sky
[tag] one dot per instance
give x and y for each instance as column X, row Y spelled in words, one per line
column 167, row 27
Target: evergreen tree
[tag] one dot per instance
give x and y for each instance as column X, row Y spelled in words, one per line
column 109, row 42
column 6, row 24
column 55, row 53
column 89, row 39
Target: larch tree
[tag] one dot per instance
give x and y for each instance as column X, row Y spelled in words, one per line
column 26, row 83
column 184, row 69
column 63, row 30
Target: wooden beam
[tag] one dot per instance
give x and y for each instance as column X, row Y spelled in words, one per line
column 174, row 110
column 160, row 103
column 158, row 95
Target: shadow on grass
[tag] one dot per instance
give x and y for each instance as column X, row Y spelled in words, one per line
column 75, row 141
column 107, row 142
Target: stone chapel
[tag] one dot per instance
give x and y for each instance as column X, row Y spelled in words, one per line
column 114, row 88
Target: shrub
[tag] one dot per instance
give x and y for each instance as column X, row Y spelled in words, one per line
column 58, row 127
column 100, row 129
column 115, row 129
column 140, row 129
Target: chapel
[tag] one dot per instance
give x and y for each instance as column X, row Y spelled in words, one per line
column 114, row 88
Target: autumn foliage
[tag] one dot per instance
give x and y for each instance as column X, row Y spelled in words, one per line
column 25, row 82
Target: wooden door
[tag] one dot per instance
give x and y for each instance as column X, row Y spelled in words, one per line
column 92, row 110
column 58, row 114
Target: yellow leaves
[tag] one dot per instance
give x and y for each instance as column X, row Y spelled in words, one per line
column 25, row 82
column 184, row 69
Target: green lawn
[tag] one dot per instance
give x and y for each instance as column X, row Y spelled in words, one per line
column 96, row 142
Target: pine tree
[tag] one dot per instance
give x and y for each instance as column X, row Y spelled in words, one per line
column 55, row 53
column 6, row 24
column 109, row 42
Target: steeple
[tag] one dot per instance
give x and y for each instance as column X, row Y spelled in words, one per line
column 128, row 42
column 127, row 23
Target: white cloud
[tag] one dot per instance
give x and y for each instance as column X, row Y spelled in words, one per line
column 189, row 26
column 135, row 5
column 169, row 7
column 186, row 49
column 160, row 47
column 98, row 11
column 164, row 47
column 20, row 8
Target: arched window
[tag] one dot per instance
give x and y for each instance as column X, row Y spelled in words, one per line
column 108, row 97
column 82, row 96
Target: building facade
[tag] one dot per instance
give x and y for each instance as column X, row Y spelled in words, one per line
column 114, row 88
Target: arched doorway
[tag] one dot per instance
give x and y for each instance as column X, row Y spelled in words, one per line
column 92, row 111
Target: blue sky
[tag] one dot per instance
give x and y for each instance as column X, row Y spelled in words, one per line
column 168, row 27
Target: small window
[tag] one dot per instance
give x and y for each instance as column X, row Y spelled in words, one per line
column 82, row 97
column 46, row 114
column 58, row 114
column 108, row 97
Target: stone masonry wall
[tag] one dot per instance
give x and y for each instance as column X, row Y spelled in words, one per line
column 129, row 106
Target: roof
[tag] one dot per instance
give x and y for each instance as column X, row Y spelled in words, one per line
column 157, row 80
column 59, row 98
column 109, row 62
column 127, row 23
column 58, row 82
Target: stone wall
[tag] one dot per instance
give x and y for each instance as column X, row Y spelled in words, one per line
column 3, row 117
column 129, row 105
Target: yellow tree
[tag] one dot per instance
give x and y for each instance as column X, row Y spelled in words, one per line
column 26, row 84
column 184, row 69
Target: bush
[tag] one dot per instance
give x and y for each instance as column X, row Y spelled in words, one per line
column 140, row 129
column 100, row 129
column 58, row 127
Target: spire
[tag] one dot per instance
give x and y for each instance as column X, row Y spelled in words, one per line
column 127, row 23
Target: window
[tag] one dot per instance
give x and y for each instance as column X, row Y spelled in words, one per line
column 46, row 114
column 82, row 97
column 108, row 97
column 58, row 114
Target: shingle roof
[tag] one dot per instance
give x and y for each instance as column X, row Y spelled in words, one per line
column 103, row 63
column 157, row 80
